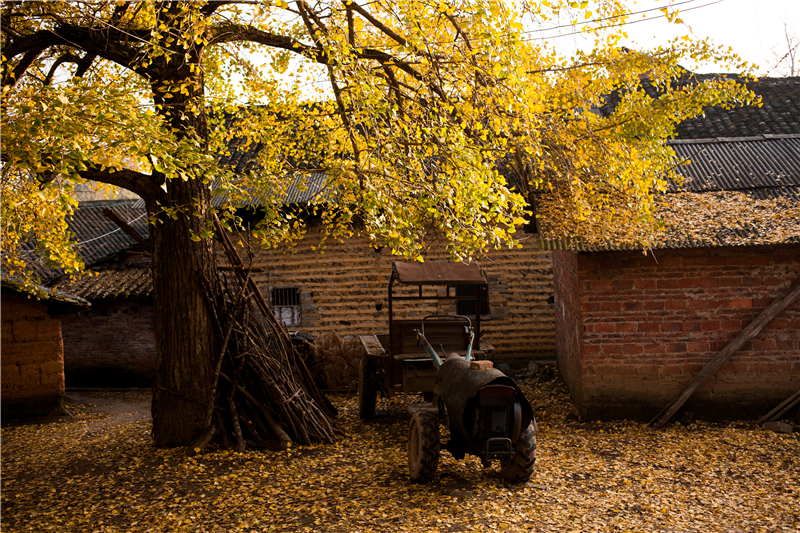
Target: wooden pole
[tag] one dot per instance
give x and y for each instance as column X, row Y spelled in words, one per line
column 127, row 228
column 238, row 267
column 752, row 329
column 785, row 405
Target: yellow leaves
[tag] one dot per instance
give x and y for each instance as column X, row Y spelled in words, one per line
column 705, row 474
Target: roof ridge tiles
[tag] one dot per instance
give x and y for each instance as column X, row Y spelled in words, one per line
column 710, row 140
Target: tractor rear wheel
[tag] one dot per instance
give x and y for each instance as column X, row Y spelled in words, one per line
column 520, row 467
column 423, row 446
column 367, row 389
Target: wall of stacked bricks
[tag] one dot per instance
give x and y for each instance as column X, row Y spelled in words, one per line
column 648, row 324
column 342, row 289
column 110, row 344
column 32, row 361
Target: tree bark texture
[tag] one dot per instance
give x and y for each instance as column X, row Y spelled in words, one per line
column 187, row 343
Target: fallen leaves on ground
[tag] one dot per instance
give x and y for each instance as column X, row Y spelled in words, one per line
column 99, row 473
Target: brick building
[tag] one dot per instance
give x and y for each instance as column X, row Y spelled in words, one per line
column 633, row 329
column 33, row 352
column 343, row 290
column 111, row 342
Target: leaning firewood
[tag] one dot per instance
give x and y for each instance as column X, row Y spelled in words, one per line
column 253, row 415
column 199, row 444
column 237, row 428
column 275, row 428
column 273, row 445
column 247, row 424
column 239, row 301
column 223, row 432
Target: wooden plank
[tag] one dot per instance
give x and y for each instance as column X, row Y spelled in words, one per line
column 785, row 405
column 372, row 345
column 752, row 329
column 127, row 228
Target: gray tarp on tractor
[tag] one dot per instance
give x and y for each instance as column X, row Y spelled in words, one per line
column 458, row 384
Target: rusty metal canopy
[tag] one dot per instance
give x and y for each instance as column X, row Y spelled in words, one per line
column 438, row 273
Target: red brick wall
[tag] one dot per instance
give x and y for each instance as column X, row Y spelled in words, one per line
column 567, row 319
column 32, row 360
column 110, row 344
column 648, row 324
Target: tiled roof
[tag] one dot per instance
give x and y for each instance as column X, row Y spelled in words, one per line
column 130, row 283
column 779, row 113
column 763, row 168
column 44, row 293
column 751, row 150
column 97, row 237
column 304, row 189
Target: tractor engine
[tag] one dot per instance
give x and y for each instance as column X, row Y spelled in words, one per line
column 486, row 409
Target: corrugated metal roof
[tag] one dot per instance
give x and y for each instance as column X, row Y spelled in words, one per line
column 752, row 150
column 303, row 189
column 98, row 237
column 738, row 164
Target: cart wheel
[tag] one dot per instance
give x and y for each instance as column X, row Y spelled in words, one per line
column 423, row 445
column 367, row 389
column 520, row 467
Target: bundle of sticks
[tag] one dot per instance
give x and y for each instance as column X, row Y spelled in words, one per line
column 265, row 396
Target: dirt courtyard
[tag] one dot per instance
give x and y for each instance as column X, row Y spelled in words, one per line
column 98, row 472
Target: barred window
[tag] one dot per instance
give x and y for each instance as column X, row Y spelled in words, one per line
column 467, row 307
column 286, row 305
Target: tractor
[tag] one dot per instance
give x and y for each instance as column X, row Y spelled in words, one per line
column 487, row 413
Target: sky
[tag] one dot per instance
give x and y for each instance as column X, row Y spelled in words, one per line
column 752, row 27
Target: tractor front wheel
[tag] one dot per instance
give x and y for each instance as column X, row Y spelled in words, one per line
column 423, row 446
column 520, row 467
column 367, row 389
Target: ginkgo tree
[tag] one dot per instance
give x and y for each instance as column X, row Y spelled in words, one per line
column 436, row 120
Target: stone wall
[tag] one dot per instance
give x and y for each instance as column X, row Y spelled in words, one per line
column 32, row 358
column 648, row 324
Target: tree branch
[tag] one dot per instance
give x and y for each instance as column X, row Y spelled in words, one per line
column 69, row 57
column 144, row 185
column 23, row 65
column 85, row 39
column 235, row 32
column 375, row 22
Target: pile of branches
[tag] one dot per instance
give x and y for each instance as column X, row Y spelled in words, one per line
column 265, row 397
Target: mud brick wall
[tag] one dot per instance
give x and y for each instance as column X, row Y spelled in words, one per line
column 111, row 344
column 345, row 289
column 648, row 324
column 32, row 359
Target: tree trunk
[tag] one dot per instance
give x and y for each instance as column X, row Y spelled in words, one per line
column 187, row 342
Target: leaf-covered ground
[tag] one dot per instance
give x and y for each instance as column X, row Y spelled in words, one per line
column 99, row 472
